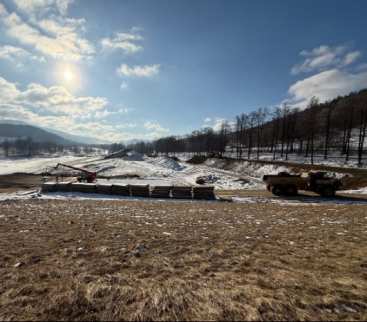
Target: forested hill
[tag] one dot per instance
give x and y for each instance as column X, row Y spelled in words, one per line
column 336, row 127
column 28, row 131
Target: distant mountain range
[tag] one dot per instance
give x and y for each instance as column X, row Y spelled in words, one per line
column 36, row 134
column 77, row 138
column 17, row 129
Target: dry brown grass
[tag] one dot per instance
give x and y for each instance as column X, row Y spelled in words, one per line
column 131, row 260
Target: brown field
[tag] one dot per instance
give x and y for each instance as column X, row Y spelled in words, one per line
column 145, row 260
column 19, row 181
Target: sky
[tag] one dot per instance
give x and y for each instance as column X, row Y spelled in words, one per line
column 132, row 69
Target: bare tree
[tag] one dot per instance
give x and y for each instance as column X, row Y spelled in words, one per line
column 362, row 134
column 6, row 147
column 329, row 111
column 251, row 125
column 260, row 116
column 349, row 133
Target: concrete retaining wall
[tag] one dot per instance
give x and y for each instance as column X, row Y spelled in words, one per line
column 175, row 192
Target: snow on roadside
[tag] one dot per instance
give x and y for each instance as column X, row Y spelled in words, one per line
column 362, row 191
column 20, row 195
column 36, row 194
column 305, row 201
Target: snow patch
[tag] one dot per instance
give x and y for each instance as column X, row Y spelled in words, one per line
column 362, row 191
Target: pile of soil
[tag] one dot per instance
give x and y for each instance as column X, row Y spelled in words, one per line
column 197, row 159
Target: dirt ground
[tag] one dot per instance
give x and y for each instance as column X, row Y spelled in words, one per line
column 18, row 181
column 145, row 260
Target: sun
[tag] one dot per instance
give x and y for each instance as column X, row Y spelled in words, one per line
column 68, row 76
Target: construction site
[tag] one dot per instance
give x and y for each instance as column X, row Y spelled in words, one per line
column 135, row 237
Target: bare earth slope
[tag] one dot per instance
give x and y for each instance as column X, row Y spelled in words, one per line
column 132, row 260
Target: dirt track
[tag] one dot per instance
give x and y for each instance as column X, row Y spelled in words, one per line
column 185, row 260
column 14, row 182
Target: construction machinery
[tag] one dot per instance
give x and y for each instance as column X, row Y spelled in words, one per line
column 287, row 184
column 85, row 175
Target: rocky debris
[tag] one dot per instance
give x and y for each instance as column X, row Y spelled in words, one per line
column 19, row 264
column 138, row 250
column 207, row 179
column 197, row 159
column 243, row 180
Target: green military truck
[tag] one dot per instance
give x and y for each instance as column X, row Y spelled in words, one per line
column 287, row 184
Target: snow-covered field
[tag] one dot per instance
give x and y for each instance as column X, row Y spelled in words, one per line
column 138, row 169
column 35, row 165
column 334, row 159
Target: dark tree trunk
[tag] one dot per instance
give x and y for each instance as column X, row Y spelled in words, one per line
column 327, row 133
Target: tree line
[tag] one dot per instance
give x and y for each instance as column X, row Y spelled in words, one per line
column 335, row 128
column 27, row 147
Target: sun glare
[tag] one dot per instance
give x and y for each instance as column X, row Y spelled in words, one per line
column 68, row 75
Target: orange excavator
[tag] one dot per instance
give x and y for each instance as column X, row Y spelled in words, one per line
column 85, row 176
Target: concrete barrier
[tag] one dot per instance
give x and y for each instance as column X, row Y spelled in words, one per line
column 175, row 192
column 63, row 187
column 48, row 187
column 84, row 187
column 183, row 192
column 161, row 192
column 104, row 188
column 120, row 190
column 139, row 191
column 205, row 193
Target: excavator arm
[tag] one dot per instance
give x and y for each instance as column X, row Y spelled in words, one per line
column 89, row 176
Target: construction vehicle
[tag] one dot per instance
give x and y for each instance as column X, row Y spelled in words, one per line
column 287, row 184
column 85, row 175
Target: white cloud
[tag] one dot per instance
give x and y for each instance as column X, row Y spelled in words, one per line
column 54, row 107
column 326, row 86
column 43, row 6
column 323, row 58
column 56, row 35
column 351, row 57
column 155, row 130
column 105, row 113
column 216, row 123
column 57, row 100
column 3, row 11
column 138, row 71
column 15, row 54
column 123, row 41
column 11, row 52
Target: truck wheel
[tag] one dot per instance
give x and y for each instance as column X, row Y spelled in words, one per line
column 327, row 192
column 291, row 190
column 276, row 190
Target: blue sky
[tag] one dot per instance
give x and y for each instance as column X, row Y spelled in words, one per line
column 118, row 70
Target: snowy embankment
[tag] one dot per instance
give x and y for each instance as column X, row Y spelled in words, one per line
column 35, row 165
column 334, row 159
column 138, row 169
